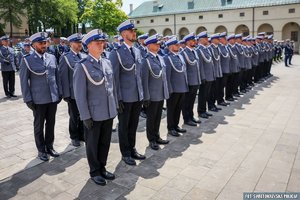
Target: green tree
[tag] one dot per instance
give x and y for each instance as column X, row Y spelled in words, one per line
column 104, row 14
column 60, row 15
column 11, row 12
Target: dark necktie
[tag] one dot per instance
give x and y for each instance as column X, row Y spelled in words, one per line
column 132, row 53
column 157, row 58
column 78, row 55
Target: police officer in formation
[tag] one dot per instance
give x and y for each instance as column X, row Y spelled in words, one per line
column 233, row 82
column 155, row 89
column 194, row 79
column 126, row 62
column 41, row 90
column 96, row 97
column 177, row 85
column 7, row 67
column 206, row 62
column 117, row 79
column 66, row 68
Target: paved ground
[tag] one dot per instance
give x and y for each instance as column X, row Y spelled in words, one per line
column 253, row 145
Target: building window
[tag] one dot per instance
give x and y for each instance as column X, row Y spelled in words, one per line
column 138, row 21
column 265, row 12
column 220, row 15
column 183, row 18
column 294, row 36
column 152, row 20
column 242, row 14
column 167, row 19
column 292, row 10
column 201, row 17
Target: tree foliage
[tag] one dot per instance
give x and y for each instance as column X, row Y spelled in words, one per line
column 60, row 15
column 104, row 14
column 11, row 12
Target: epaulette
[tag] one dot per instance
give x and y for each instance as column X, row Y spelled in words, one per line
column 82, row 60
column 115, row 48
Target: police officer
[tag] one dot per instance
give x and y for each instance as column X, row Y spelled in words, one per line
column 259, row 69
column 142, row 47
column 225, row 61
column 25, row 50
column 96, row 99
column 241, row 57
column 66, row 69
column 216, row 85
column 255, row 57
column 194, row 79
column 126, row 62
column 247, row 63
column 7, row 67
column 41, row 90
column 155, row 90
column 234, row 69
column 56, row 48
column 206, row 62
column 288, row 52
column 177, row 85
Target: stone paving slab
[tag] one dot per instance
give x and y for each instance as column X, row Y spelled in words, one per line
column 252, row 145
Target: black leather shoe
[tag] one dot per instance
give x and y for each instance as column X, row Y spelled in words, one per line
column 173, row 133
column 99, row 180
column 8, row 96
column 236, row 95
column 223, row 104
column 43, row 156
column 128, row 160
column 108, row 175
column 209, row 114
column 161, row 141
column 218, row 108
column 190, row 123
column 204, row 115
column 154, row 146
column 12, row 95
column 197, row 121
column 52, row 152
column 180, row 130
column 213, row 109
column 137, row 156
column 230, row 99
column 75, row 143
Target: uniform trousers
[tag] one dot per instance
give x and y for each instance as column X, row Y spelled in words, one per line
column 97, row 143
column 8, row 79
column 174, row 107
column 222, row 85
column 75, row 124
column 128, row 123
column 154, row 111
column 189, row 101
column 44, row 116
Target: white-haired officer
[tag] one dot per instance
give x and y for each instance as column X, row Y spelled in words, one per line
column 95, row 95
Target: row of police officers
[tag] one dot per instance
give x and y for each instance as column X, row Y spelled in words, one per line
column 100, row 85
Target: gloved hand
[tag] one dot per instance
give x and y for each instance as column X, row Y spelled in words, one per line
column 67, row 99
column 121, row 107
column 88, row 123
column 146, row 103
column 31, row 105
